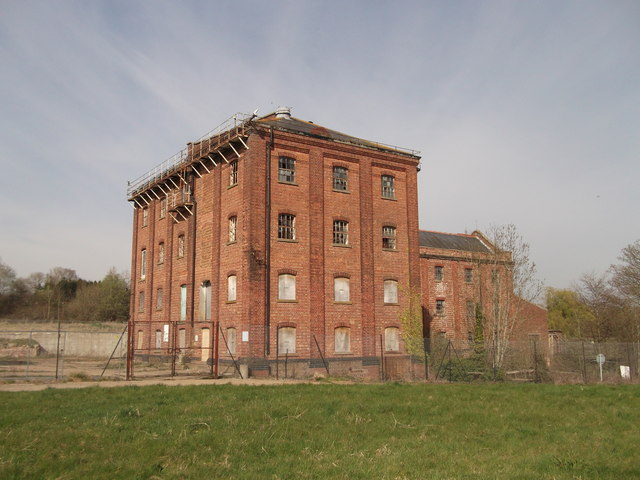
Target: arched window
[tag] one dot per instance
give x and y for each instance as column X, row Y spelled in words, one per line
column 286, row 286
column 392, row 339
column 391, row 292
column 204, row 307
column 286, row 340
column 231, row 288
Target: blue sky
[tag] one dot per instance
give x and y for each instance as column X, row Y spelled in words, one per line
column 525, row 112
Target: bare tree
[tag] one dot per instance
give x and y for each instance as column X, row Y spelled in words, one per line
column 513, row 283
column 626, row 276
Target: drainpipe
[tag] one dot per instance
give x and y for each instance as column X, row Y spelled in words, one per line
column 267, row 288
column 193, row 249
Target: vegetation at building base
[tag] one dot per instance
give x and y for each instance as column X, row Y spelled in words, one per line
column 322, row 431
column 62, row 295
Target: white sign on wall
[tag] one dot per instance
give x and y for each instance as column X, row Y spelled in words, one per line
column 245, row 336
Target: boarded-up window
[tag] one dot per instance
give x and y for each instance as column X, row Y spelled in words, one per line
column 143, row 264
column 204, row 306
column 231, row 288
column 140, row 339
column 183, row 303
column 286, row 287
column 159, row 299
column 343, row 340
column 161, row 253
column 182, row 338
column 390, row 291
column 141, row 302
column 341, row 291
column 158, row 339
column 286, row 340
column 392, row 339
column 231, row 340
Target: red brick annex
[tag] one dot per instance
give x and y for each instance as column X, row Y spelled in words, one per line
column 273, row 237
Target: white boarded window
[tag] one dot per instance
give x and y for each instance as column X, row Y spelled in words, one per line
column 232, row 281
column 158, row 339
column 392, row 339
column 161, row 252
column 183, row 303
column 341, row 291
column 143, row 264
column 182, row 338
column 286, row 340
column 343, row 340
column 140, row 339
column 390, row 291
column 204, row 307
column 286, row 286
column 159, row 299
column 231, row 340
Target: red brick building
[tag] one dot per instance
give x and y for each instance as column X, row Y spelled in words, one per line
column 275, row 237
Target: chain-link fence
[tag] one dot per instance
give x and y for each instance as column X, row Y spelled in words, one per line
column 42, row 355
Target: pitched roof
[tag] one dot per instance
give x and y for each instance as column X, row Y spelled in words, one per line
column 453, row 241
column 311, row 129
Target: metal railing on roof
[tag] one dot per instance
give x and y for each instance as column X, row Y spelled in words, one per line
column 180, row 159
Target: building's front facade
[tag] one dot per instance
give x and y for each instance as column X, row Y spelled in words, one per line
column 277, row 237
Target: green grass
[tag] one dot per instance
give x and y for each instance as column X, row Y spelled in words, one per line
column 391, row 431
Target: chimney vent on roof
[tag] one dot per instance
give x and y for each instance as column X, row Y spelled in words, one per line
column 283, row 112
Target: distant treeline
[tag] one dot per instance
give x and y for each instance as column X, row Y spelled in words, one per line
column 62, row 295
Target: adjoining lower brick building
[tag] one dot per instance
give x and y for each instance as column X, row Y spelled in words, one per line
column 277, row 237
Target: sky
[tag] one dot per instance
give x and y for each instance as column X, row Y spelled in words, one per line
column 525, row 113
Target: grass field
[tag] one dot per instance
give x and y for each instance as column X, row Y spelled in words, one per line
column 390, row 431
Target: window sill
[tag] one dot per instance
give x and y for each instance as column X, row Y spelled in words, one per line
column 229, row 187
column 391, row 304
column 342, row 303
column 230, row 302
column 344, row 353
column 286, row 301
column 288, row 240
column 341, row 245
column 348, row 192
column 180, row 258
column 393, row 199
column 389, row 249
column 232, row 243
column 284, row 182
